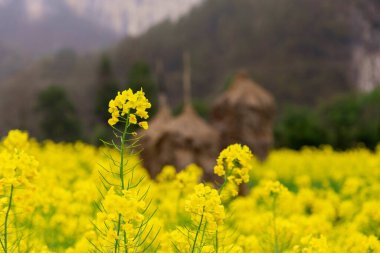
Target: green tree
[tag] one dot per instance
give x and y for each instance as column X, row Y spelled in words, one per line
column 340, row 118
column 298, row 127
column 58, row 119
column 369, row 121
column 343, row 122
column 139, row 76
column 106, row 89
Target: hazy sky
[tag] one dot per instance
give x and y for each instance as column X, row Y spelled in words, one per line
column 121, row 16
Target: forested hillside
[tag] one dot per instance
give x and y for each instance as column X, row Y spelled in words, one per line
column 303, row 51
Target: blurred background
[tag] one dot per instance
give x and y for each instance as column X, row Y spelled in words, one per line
column 62, row 61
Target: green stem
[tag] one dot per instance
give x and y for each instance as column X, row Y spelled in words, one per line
column 180, row 196
column 118, row 234
column 226, row 175
column 196, row 235
column 122, row 146
column 216, row 241
column 6, row 221
column 122, row 153
column 125, row 243
column 276, row 249
column 223, row 185
column 203, row 236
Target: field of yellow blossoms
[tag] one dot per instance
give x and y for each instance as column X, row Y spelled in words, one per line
column 79, row 198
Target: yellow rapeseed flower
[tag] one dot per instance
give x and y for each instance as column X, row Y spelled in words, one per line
column 206, row 203
column 131, row 104
column 235, row 162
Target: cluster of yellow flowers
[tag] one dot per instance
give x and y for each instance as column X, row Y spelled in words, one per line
column 17, row 166
column 119, row 213
column 18, row 169
column 127, row 106
column 205, row 204
column 234, row 164
column 311, row 244
column 274, row 189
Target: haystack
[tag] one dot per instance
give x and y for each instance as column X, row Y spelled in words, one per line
column 151, row 154
column 181, row 141
column 189, row 139
column 244, row 114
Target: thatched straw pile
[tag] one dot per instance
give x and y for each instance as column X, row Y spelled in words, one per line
column 244, row 114
column 150, row 138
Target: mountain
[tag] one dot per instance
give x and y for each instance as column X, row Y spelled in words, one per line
column 39, row 31
column 131, row 17
column 37, row 28
column 43, row 26
column 11, row 61
column 303, row 51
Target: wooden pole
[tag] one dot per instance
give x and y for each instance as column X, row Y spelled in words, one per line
column 186, row 79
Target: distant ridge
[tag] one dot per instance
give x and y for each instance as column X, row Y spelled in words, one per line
column 43, row 26
column 54, row 31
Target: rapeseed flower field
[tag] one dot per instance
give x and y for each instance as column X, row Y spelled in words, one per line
column 74, row 197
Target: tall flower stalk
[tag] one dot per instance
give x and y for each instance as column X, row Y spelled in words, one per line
column 121, row 224
column 207, row 213
column 17, row 171
column 205, row 205
column 274, row 190
column 5, row 244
